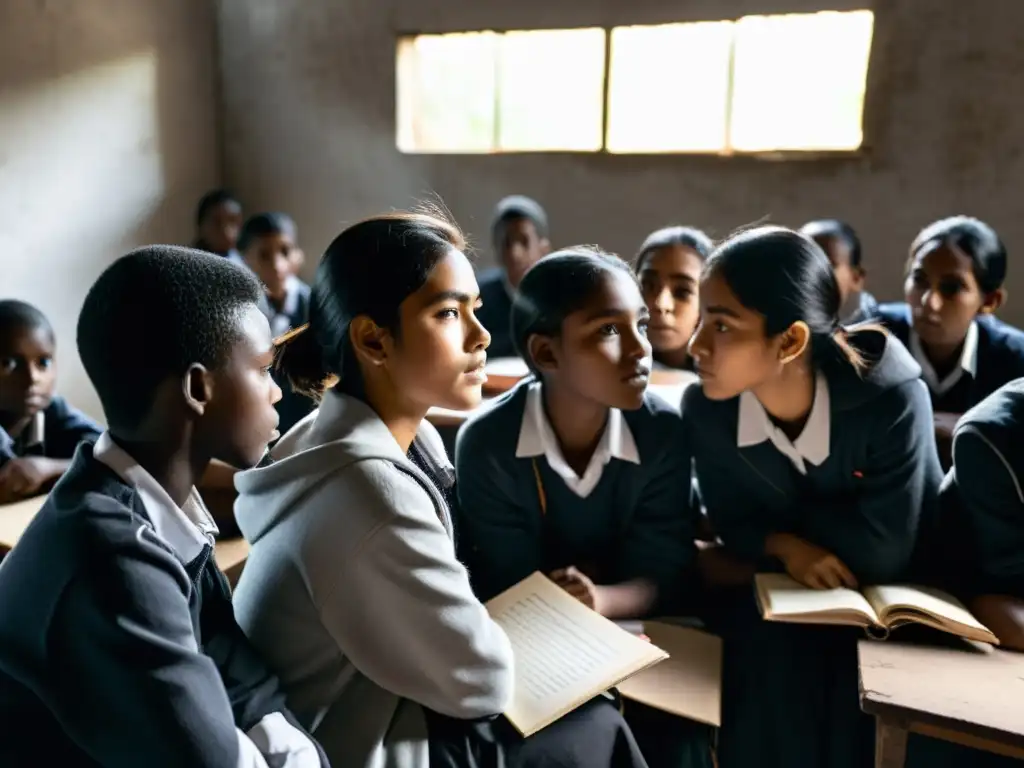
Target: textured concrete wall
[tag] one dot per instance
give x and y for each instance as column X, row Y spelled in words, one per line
column 108, row 135
column 309, row 126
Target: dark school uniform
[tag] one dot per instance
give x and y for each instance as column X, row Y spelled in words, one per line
column 979, row 546
column 495, row 312
column 592, row 735
column 53, row 433
column 856, row 482
column 523, row 509
column 993, row 355
column 291, row 313
column 118, row 643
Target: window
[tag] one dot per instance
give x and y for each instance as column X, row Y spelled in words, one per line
column 790, row 82
column 668, row 87
column 501, row 92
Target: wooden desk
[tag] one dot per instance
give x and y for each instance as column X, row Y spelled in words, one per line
column 969, row 695
column 14, row 519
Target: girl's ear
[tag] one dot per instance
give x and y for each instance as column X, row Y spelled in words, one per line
column 795, row 340
column 993, row 301
column 542, row 351
column 368, row 340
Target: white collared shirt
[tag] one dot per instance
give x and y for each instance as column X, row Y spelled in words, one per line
column 537, row 438
column 187, row 530
column 754, row 427
column 968, row 362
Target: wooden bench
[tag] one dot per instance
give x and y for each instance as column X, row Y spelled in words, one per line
column 967, row 694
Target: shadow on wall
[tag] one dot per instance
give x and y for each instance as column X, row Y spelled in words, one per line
column 108, row 135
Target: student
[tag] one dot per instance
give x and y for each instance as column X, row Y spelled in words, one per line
column 841, row 244
column 38, row 430
column 118, row 646
column 982, row 534
column 579, row 472
column 267, row 244
column 954, row 285
column 669, row 265
column 368, row 615
column 218, row 221
column 519, row 234
column 814, row 455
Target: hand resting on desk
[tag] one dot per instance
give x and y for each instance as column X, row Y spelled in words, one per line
column 23, row 477
column 1004, row 615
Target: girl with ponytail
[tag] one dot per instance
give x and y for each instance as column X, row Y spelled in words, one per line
column 814, row 455
column 352, row 590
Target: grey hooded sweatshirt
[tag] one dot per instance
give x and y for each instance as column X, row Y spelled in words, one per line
column 353, row 593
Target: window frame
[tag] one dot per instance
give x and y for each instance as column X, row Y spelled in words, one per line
column 844, row 156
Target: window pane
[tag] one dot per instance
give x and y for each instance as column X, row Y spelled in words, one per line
column 799, row 81
column 446, row 92
column 669, row 88
column 551, row 90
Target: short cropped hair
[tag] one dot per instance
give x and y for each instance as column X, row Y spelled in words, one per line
column 15, row 314
column 151, row 315
column 211, row 200
column 263, row 224
column 519, row 207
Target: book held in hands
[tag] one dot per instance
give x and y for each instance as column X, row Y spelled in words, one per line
column 878, row 609
column 565, row 653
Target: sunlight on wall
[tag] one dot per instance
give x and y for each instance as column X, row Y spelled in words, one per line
column 80, row 171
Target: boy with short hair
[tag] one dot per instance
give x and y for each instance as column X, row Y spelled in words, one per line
column 218, row 221
column 38, row 430
column 268, row 246
column 519, row 234
column 118, row 643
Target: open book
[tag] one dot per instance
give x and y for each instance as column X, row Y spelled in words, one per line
column 879, row 609
column 565, row 653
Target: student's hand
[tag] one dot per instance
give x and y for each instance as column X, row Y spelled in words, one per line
column 25, row 476
column 1004, row 615
column 577, row 584
column 809, row 564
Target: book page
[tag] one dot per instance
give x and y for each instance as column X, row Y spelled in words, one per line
column 784, row 599
column 689, row 683
column 565, row 653
column 894, row 599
